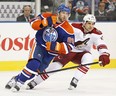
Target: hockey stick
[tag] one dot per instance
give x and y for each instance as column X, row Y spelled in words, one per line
column 69, row 68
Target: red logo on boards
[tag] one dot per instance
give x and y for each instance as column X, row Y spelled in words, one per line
column 16, row 44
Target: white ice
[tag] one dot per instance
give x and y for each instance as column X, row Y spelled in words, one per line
column 97, row 82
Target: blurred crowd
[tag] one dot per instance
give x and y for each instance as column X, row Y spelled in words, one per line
column 104, row 10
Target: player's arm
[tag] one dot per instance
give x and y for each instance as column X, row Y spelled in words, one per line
column 59, row 48
column 66, row 44
column 43, row 20
column 103, row 50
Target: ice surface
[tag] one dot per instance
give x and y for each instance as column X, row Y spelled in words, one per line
column 97, row 82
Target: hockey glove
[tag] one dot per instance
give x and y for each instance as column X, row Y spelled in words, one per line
column 49, row 21
column 79, row 44
column 53, row 47
column 105, row 59
column 57, row 48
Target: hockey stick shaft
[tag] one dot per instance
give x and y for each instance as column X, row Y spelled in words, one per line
column 69, row 68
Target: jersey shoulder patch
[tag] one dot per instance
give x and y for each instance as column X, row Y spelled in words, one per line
column 96, row 31
column 67, row 27
column 78, row 26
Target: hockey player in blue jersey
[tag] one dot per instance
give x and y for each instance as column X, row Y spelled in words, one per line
column 54, row 36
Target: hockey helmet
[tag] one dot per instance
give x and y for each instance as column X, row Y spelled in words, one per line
column 62, row 7
column 89, row 17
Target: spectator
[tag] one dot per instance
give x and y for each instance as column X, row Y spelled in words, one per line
column 26, row 16
column 80, row 8
column 101, row 13
column 112, row 10
column 110, row 5
column 46, row 6
column 72, row 15
column 113, row 16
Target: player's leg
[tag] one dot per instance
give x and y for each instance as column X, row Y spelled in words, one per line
column 40, row 78
column 58, row 63
column 82, row 58
column 26, row 73
column 29, row 71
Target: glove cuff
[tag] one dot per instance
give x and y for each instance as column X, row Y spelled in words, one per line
column 105, row 53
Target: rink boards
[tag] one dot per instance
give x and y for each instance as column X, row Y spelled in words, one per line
column 16, row 40
column 18, row 65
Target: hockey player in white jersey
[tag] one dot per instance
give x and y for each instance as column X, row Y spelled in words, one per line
column 81, row 54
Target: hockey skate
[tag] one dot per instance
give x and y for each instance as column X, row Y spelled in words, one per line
column 31, row 85
column 73, row 83
column 16, row 87
column 11, row 83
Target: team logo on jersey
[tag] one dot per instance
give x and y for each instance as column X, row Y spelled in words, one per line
column 50, row 34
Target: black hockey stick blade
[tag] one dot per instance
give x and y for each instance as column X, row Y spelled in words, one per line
column 53, row 71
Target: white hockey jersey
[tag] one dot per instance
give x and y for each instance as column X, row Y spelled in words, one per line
column 96, row 39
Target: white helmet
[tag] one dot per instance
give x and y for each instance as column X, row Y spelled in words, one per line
column 89, row 17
